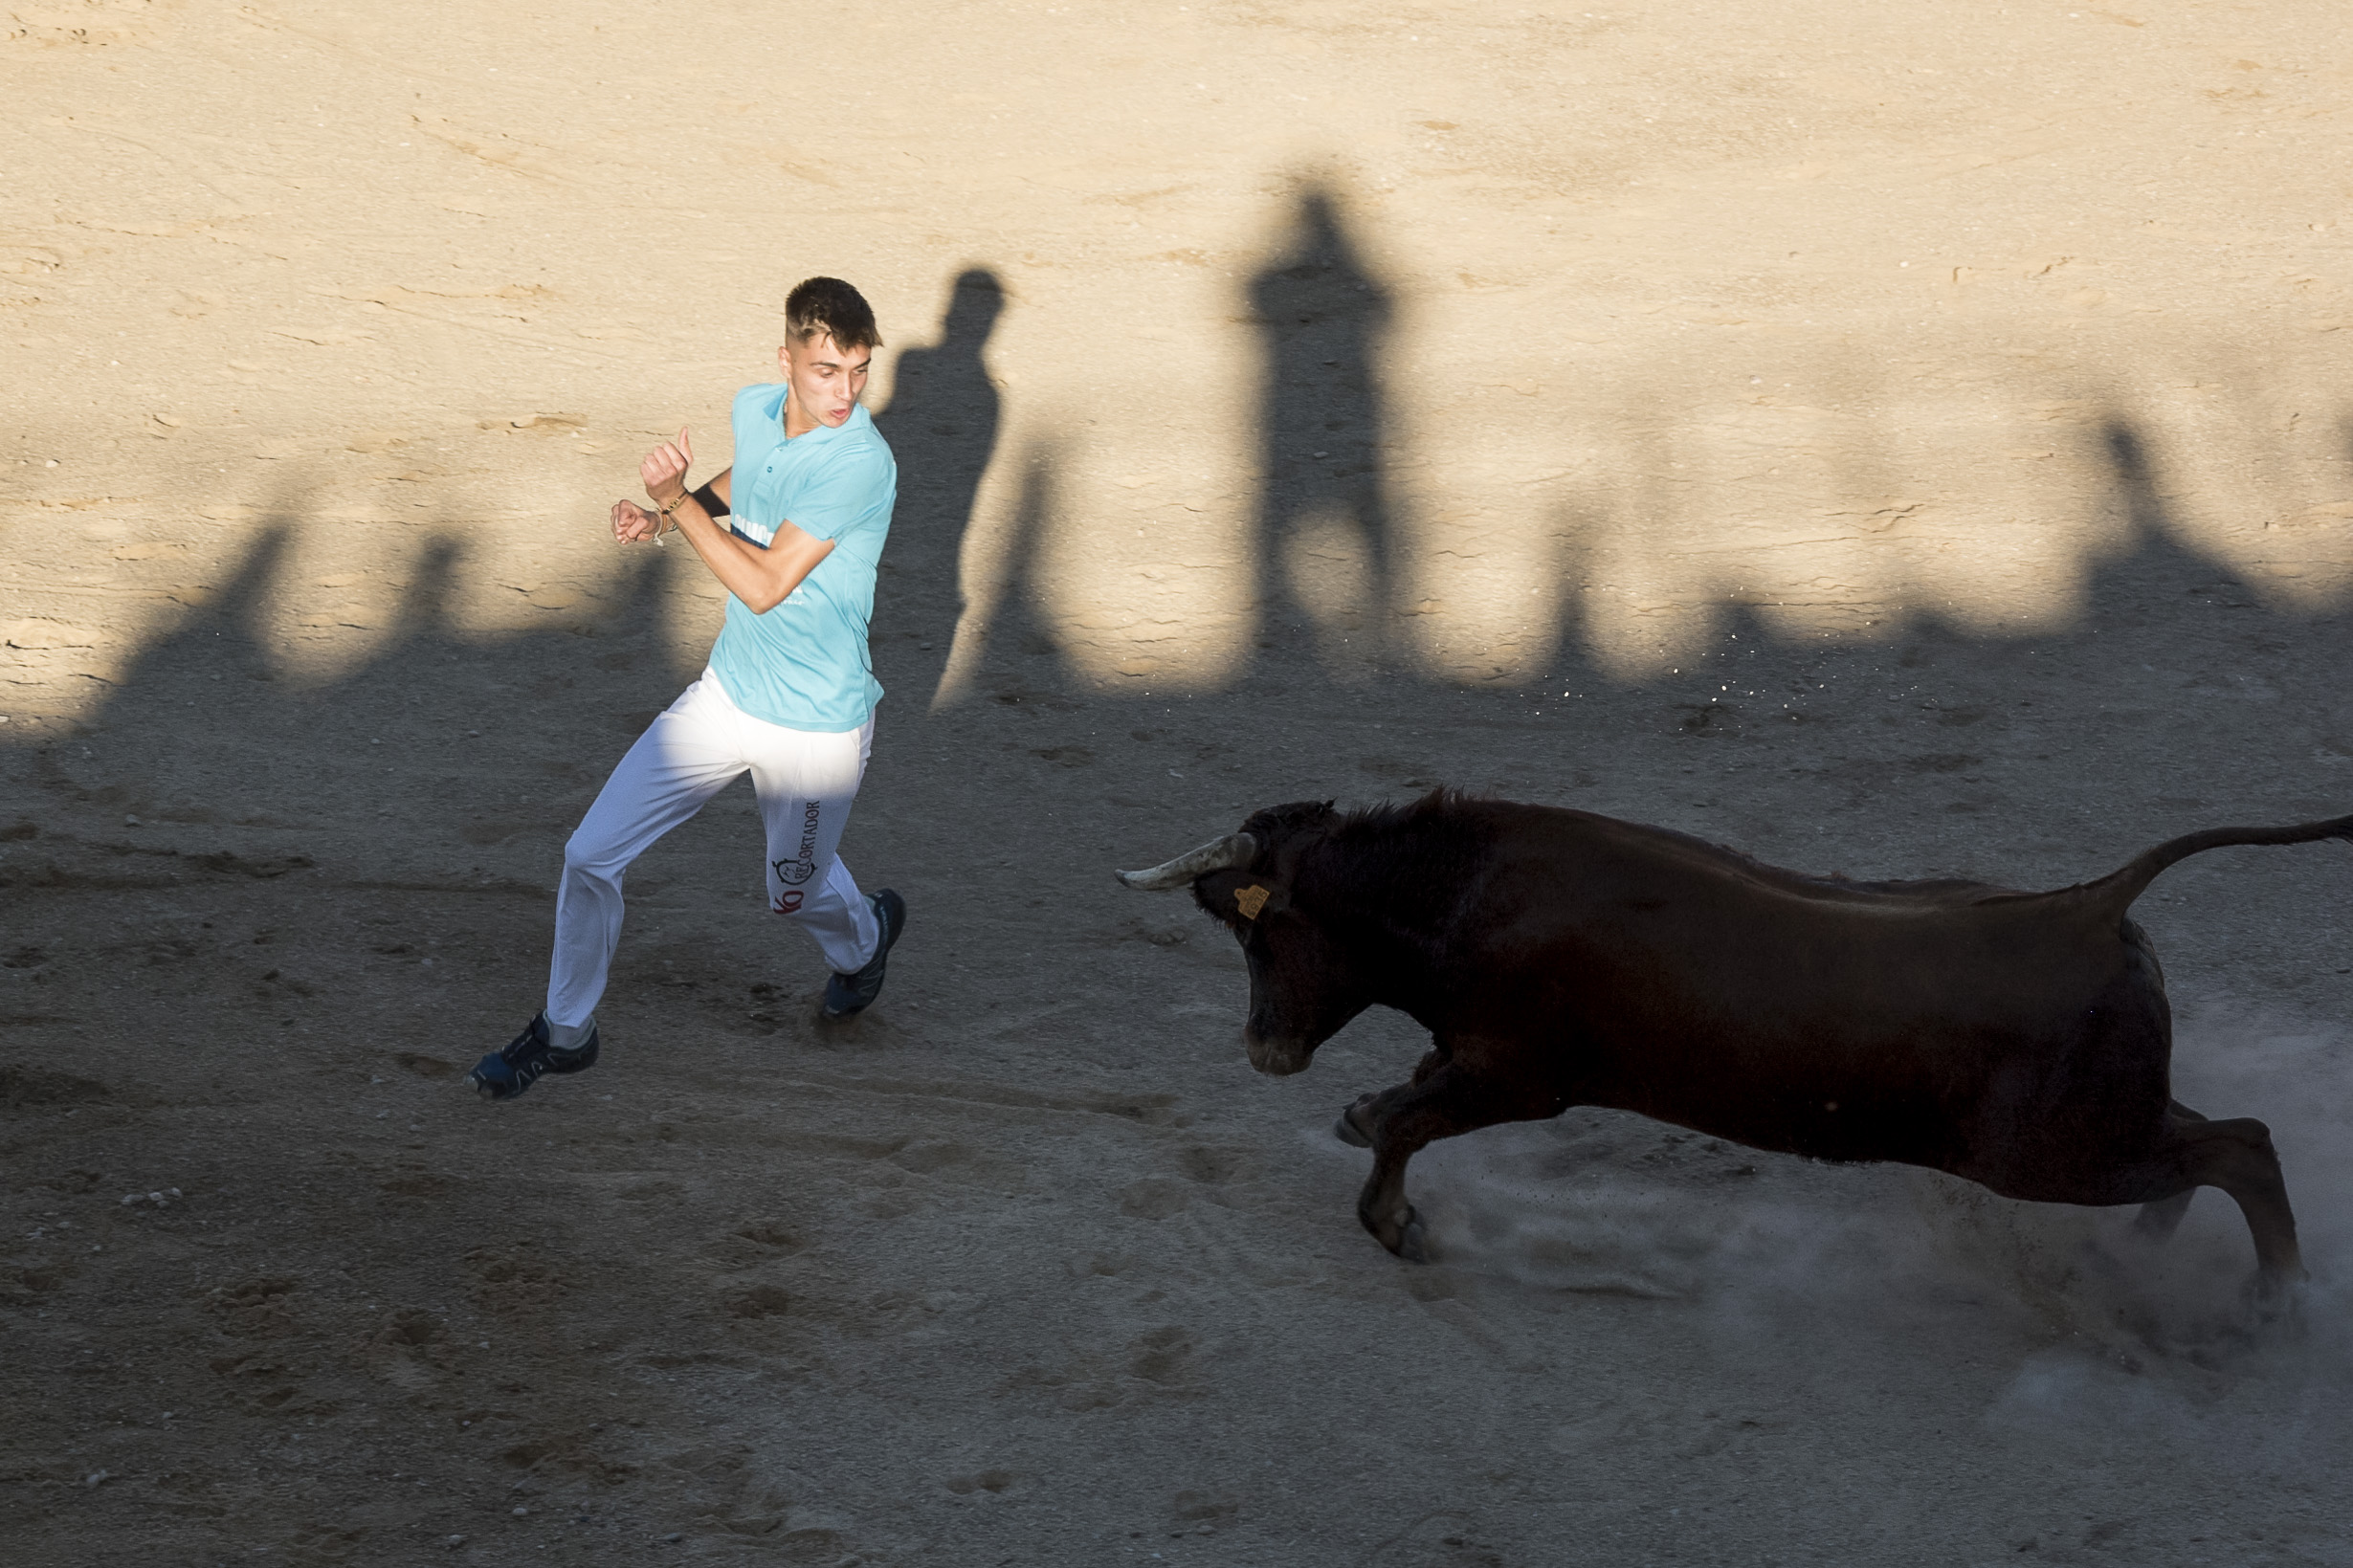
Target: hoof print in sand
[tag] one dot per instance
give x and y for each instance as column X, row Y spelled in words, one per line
column 511, row 1282
column 758, row 1301
column 1156, row 1364
column 1151, row 1198
column 254, row 1309
column 754, row 1242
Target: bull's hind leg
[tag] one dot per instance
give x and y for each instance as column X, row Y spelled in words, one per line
column 2238, row 1156
column 2157, row 1221
column 1444, row 1100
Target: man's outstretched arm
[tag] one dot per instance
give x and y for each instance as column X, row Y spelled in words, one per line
column 761, row 578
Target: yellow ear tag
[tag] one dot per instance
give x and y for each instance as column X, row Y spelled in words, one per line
column 1252, row 899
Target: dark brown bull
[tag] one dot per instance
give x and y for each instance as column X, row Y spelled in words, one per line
column 1557, row 958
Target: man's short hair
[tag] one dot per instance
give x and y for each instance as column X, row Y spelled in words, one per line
column 832, row 307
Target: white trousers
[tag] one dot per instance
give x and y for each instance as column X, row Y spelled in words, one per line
column 806, row 781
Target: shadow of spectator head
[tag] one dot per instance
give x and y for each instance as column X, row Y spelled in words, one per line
column 974, row 302
column 2126, row 452
column 255, row 577
column 2135, row 472
column 1318, row 271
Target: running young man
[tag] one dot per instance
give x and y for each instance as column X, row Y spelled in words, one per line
column 789, row 694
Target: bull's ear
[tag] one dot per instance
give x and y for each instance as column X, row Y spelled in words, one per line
column 1237, row 897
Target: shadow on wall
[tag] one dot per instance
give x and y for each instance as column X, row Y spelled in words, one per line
column 941, row 422
column 1323, row 527
column 1326, row 529
column 2172, row 661
column 206, row 726
column 1334, row 565
column 2175, row 665
column 997, row 613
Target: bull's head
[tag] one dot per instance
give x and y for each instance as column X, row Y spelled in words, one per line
column 1304, row 983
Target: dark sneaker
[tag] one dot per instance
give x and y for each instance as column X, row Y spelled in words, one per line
column 847, row 994
column 503, row 1074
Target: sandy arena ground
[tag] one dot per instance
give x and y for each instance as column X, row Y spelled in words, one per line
column 1903, row 439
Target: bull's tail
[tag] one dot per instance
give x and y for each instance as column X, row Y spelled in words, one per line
column 2129, row 881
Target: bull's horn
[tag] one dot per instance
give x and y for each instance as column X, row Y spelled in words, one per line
column 1216, row 855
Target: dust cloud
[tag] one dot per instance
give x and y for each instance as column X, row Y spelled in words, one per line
column 2106, row 1332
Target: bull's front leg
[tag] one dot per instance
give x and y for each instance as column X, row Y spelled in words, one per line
column 1444, row 1098
column 1355, row 1137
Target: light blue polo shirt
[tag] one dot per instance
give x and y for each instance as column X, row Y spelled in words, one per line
column 803, row 664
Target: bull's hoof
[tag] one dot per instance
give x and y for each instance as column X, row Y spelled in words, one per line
column 1404, row 1236
column 2272, row 1301
column 1348, row 1132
